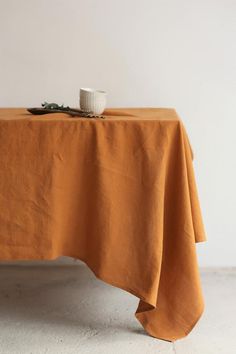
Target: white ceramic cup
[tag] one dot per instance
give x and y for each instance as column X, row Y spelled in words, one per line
column 93, row 101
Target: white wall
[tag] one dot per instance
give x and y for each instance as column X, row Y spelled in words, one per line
column 173, row 53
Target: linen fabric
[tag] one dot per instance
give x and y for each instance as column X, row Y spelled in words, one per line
column 118, row 194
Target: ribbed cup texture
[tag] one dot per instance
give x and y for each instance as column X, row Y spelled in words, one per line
column 93, row 101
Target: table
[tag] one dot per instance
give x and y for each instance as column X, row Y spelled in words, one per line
column 118, row 194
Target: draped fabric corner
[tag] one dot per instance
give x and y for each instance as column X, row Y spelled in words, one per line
column 118, row 194
column 179, row 302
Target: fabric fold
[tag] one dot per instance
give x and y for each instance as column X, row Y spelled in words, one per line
column 179, row 299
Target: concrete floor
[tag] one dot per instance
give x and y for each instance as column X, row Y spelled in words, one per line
column 65, row 309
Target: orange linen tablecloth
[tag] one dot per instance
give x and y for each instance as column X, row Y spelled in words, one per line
column 118, row 194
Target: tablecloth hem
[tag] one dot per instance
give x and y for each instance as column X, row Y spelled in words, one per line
column 131, row 291
column 154, row 332
column 95, row 272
